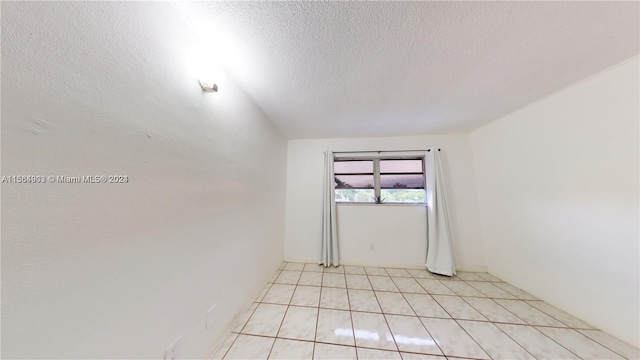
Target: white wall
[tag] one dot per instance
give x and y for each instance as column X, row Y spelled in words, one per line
column 377, row 223
column 558, row 193
column 120, row 271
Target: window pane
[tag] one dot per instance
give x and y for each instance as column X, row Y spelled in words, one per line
column 353, row 167
column 402, row 195
column 354, row 181
column 400, row 181
column 400, row 166
column 355, row 195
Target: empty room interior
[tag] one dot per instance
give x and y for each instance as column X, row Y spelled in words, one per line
column 320, row 180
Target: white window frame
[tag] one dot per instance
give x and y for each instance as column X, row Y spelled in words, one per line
column 376, row 176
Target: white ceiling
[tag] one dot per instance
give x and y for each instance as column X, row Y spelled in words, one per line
column 351, row 69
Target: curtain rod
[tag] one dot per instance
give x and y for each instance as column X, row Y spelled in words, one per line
column 380, row 151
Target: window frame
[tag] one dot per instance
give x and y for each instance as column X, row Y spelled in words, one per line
column 377, row 180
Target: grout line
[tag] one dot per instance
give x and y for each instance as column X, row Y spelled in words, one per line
column 315, row 335
column 285, row 313
column 269, row 287
column 383, row 316
column 423, row 325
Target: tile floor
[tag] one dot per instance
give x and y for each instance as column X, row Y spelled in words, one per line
column 353, row 312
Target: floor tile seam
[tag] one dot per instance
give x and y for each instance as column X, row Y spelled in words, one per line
column 472, row 338
column 548, row 337
column 598, row 342
column 529, row 323
column 285, row 314
column 553, row 317
column 500, row 305
column 230, row 346
column 385, row 318
column 576, row 330
column 423, row 325
column 353, row 330
column 315, row 335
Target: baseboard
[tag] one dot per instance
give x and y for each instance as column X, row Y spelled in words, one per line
column 405, row 266
column 472, row 268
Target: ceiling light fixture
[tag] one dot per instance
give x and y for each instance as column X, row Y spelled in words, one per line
column 202, row 65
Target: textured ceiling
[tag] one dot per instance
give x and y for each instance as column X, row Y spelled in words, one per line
column 349, row 69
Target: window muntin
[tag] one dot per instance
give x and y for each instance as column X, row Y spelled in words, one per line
column 380, row 180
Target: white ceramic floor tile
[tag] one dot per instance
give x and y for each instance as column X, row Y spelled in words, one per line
column 528, row 313
column 371, row 331
column 250, row 347
column 274, row 276
column 393, row 303
column 224, row 347
column 434, row 286
column 306, row 296
column 279, row 294
column 242, row 320
column 411, row 336
column 560, row 315
column 263, row 293
column 468, row 276
column 425, row 305
column 288, row 277
column 412, row 356
column 334, row 280
column 371, row 354
column 613, row 343
column 452, row 339
column 358, row 282
column 284, row 263
column 334, row 298
column 579, row 344
column 299, row 323
column 495, row 342
column 334, row 352
column 490, row 290
column 310, row 278
column 458, row 308
column 313, row 268
column 462, row 289
column 535, row 342
column 382, row 283
column 334, row 327
column 492, row 318
column 294, row 266
column 285, row 349
column 519, row 293
column 420, row 274
column 397, row 272
column 375, row 271
column 334, row 269
column 488, row 277
column 265, row 320
column 363, row 300
column 356, row 270
column 493, row 311
column 408, row 285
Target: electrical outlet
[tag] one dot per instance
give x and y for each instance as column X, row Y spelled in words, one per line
column 210, row 317
column 371, row 247
column 173, row 351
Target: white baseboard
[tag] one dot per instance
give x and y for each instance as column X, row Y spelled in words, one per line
column 406, row 266
column 472, row 268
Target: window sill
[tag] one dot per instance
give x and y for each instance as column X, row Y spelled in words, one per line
column 382, row 204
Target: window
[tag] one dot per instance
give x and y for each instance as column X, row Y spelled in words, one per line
column 380, row 180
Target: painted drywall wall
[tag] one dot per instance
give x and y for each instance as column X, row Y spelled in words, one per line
column 121, row 270
column 558, row 193
column 395, row 235
column 375, row 224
